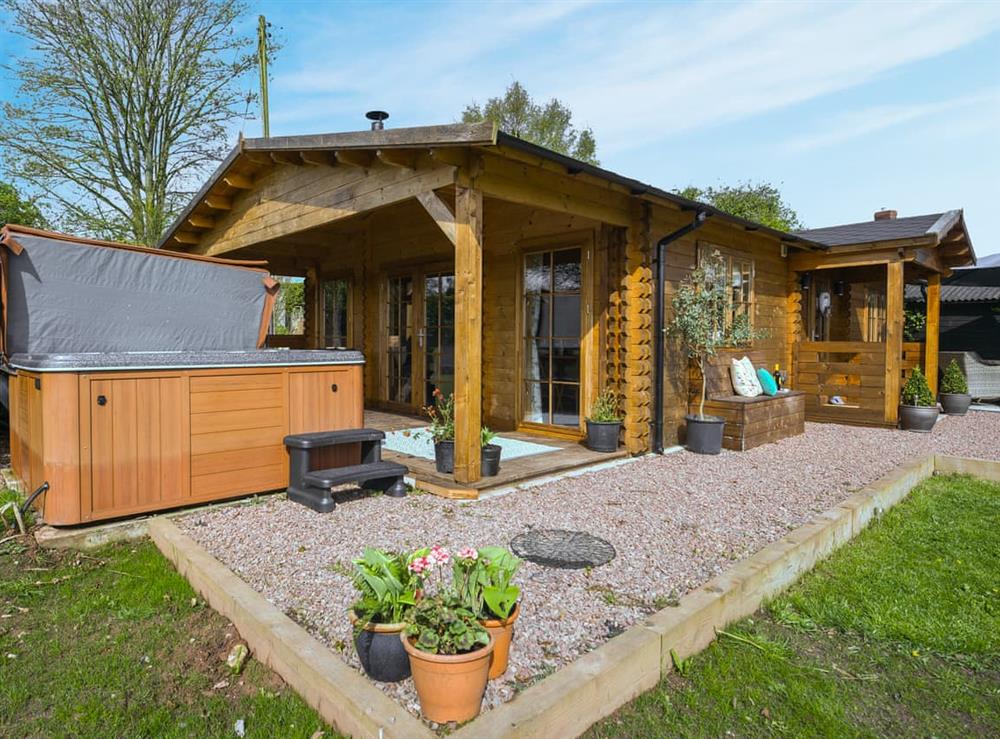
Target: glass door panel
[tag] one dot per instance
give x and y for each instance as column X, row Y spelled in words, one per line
column 399, row 346
column 438, row 334
column 335, row 299
column 551, row 342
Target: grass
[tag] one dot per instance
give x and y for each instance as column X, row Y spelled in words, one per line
column 897, row 633
column 114, row 643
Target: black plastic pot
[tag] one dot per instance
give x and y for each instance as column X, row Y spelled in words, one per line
column 490, row 463
column 444, row 456
column 919, row 418
column 704, row 435
column 955, row 404
column 381, row 652
column 602, row 436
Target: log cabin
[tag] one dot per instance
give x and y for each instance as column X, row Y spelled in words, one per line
column 463, row 258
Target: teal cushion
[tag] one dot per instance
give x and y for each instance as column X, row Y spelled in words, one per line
column 767, row 381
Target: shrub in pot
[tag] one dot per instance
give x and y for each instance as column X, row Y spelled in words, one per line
column 442, row 415
column 388, row 590
column 483, row 580
column 917, row 409
column 702, row 325
column 490, row 460
column 954, row 394
column 449, row 649
column 604, row 423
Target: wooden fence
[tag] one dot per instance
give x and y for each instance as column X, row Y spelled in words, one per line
column 851, row 370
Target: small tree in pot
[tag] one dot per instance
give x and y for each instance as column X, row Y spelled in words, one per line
column 954, row 395
column 917, row 409
column 702, row 325
column 604, row 423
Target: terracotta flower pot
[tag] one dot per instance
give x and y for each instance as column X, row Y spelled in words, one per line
column 382, row 656
column 502, row 631
column 450, row 686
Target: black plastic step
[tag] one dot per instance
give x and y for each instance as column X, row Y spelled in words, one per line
column 353, row 473
column 321, row 439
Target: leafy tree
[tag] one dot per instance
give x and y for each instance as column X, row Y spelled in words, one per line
column 757, row 202
column 16, row 209
column 123, row 104
column 288, row 316
column 549, row 125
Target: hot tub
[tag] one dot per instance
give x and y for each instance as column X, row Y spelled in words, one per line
column 120, row 433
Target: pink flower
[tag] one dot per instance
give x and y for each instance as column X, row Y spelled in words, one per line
column 419, row 565
column 439, row 555
column 468, row 553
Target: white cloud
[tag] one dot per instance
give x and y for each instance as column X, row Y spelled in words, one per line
column 636, row 73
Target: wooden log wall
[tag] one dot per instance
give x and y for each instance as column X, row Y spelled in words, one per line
column 853, row 370
column 638, row 334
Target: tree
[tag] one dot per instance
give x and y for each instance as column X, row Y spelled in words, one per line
column 549, row 125
column 757, row 202
column 122, row 106
column 15, row 209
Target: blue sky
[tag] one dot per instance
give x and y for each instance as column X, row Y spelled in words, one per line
column 848, row 107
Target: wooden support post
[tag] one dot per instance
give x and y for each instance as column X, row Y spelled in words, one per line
column 893, row 338
column 468, row 331
column 312, row 309
column 932, row 332
column 638, row 333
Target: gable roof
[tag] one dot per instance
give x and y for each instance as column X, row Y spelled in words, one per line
column 886, row 230
column 450, row 136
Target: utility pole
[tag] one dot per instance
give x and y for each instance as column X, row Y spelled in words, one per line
column 262, row 64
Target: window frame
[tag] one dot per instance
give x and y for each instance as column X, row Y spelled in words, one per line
column 732, row 256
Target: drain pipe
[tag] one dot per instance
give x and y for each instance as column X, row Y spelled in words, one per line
column 659, row 329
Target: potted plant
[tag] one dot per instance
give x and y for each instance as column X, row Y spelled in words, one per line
column 954, row 395
column 388, row 590
column 442, row 415
column 702, row 325
column 917, row 409
column 490, row 461
column 604, row 424
column 483, row 581
column 449, row 649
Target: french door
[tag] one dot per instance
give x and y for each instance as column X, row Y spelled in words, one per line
column 420, row 338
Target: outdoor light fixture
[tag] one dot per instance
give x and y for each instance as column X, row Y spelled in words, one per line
column 806, row 280
column 839, row 288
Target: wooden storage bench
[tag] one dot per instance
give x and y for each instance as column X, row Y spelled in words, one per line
column 750, row 422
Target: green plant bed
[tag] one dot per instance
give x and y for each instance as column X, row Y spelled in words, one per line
column 108, row 643
column 897, row 633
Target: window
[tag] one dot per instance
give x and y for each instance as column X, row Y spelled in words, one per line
column 289, row 315
column 739, row 270
column 335, row 295
column 551, row 341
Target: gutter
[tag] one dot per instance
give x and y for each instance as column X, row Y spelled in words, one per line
column 659, row 329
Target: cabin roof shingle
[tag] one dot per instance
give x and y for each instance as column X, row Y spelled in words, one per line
column 910, row 227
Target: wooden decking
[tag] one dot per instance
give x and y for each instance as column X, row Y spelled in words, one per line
column 571, row 455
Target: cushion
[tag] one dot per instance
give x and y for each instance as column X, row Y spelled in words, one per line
column 753, row 373
column 744, row 381
column 767, row 381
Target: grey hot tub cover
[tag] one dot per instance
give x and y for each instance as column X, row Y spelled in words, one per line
column 66, row 294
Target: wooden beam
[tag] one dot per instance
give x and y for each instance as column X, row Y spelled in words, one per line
column 259, row 157
column 932, row 331
column 218, row 202
column 199, row 221
column 893, row 339
column 239, row 181
column 186, row 237
column 451, row 156
column 355, row 157
column 317, row 158
column 440, row 212
column 402, row 158
column 286, row 157
column 468, row 332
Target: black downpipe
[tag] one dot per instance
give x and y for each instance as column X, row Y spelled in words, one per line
column 659, row 329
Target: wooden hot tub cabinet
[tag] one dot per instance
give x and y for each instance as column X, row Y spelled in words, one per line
column 135, row 439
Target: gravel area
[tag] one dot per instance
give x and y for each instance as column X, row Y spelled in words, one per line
column 676, row 521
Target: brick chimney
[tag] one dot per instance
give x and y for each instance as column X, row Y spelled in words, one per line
column 885, row 215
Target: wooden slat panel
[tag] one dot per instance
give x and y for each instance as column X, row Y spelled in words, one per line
column 253, row 418
column 224, row 441
column 236, row 459
column 235, row 400
column 148, row 443
column 122, row 407
column 237, row 482
column 175, row 439
column 256, row 381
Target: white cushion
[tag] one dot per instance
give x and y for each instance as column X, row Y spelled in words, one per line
column 745, row 380
column 753, row 373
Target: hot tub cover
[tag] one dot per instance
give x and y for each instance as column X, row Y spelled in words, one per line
column 64, row 294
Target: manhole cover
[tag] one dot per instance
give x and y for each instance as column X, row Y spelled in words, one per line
column 568, row 550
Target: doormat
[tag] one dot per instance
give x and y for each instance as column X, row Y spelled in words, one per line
column 418, row 443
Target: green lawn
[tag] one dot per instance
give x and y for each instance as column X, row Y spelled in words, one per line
column 114, row 644
column 898, row 633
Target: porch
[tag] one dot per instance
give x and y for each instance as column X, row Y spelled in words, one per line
column 537, row 456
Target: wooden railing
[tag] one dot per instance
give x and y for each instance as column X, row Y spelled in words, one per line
column 851, row 370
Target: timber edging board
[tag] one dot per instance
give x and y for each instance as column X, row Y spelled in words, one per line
column 585, row 691
column 336, row 691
